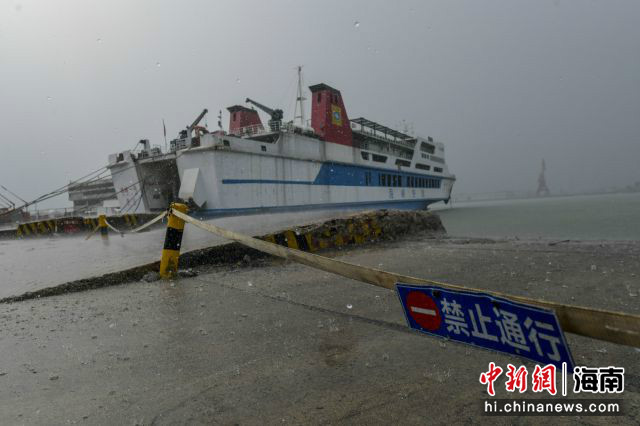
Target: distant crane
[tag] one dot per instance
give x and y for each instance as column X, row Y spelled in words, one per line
column 276, row 114
column 543, row 190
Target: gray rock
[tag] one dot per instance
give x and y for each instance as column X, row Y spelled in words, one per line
column 151, row 276
column 187, row 273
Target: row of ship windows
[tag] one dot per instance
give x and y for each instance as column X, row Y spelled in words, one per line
column 388, row 179
column 399, row 162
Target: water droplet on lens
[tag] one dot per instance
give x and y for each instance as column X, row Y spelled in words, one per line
column 158, row 64
column 349, row 306
column 99, row 40
column 49, row 98
column 356, row 24
column 238, row 80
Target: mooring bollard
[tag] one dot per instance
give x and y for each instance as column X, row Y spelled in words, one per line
column 172, row 242
column 102, row 224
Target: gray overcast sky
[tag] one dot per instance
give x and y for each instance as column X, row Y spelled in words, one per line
column 502, row 83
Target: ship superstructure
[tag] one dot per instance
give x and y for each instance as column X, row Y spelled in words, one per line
column 253, row 167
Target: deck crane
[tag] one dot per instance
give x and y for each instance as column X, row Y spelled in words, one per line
column 276, row 114
column 194, row 125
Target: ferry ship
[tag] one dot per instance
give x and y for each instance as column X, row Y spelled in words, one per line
column 251, row 167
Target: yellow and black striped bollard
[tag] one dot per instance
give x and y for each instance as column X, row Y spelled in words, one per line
column 102, row 224
column 172, row 243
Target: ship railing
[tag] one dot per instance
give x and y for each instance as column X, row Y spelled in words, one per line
column 179, row 144
column 262, row 129
column 405, row 143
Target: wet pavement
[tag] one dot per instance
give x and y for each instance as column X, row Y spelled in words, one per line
column 34, row 263
column 284, row 343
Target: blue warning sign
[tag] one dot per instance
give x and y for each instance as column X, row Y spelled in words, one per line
column 487, row 321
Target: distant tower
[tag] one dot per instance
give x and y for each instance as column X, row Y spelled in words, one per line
column 542, row 182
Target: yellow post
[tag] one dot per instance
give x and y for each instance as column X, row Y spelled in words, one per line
column 172, row 242
column 102, row 224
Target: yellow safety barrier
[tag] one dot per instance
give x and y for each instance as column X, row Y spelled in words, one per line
column 356, row 231
column 616, row 327
column 172, row 241
column 36, row 228
column 131, row 218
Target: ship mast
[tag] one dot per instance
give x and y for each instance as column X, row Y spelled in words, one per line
column 299, row 100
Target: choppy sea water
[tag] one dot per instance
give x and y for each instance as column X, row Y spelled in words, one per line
column 31, row 264
column 34, row 263
column 585, row 217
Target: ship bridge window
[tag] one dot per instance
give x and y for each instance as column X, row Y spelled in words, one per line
column 379, row 158
column 423, row 166
column 225, row 142
column 404, row 163
column 365, row 155
column 437, row 169
column 427, row 147
column 264, row 148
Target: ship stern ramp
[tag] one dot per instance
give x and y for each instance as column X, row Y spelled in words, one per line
column 192, row 188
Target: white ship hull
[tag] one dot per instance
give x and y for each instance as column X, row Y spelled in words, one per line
column 239, row 176
column 252, row 168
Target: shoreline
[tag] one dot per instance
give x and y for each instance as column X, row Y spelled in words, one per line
column 234, row 254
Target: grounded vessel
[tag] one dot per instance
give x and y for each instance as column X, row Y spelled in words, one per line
column 337, row 162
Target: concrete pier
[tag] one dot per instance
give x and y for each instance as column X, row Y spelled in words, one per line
column 264, row 342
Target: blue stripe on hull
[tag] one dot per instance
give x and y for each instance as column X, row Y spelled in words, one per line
column 391, row 204
column 337, row 174
column 267, row 181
